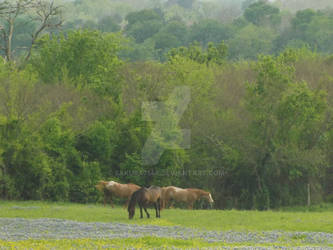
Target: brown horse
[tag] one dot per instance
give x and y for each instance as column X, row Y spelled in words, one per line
column 188, row 195
column 112, row 188
column 144, row 197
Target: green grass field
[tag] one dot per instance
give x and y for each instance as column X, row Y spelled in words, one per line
column 318, row 219
column 221, row 220
column 141, row 243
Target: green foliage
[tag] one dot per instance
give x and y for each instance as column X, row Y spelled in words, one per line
column 213, row 54
column 84, row 58
column 172, row 35
column 165, row 41
column 251, row 41
column 287, row 116
column 109, row 24
column 143, row 16
column 261, row 13
column 140, row 31
column 74, row 114
column 309, row 28
column 157, row 26
column 207, row 31
column 97, row 142
column 38, row 155
column 143, row 24
column 187, row 4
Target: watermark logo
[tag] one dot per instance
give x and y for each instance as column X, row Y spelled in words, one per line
column 166, row 133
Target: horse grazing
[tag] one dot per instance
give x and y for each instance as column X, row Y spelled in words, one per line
column 144, row 197
column 112, row 188
column 188, row 195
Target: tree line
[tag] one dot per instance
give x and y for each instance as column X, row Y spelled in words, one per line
column 254, row 27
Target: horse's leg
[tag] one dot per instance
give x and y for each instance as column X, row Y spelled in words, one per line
column 144, row 207
column 159, row 207
column 141, row 216
column 127, row 201
column 105, row 196
column 161, row 203
column 171, row 204
column 156, row 207
column 111, row 203
column 190, row 205
column 165, row 203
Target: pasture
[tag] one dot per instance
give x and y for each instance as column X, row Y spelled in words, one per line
column 293, row 226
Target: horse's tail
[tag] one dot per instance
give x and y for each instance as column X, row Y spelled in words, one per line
column 133, row 200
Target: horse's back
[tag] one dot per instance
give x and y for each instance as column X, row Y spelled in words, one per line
column 172, row 192
column 134, row 186
column 155, row 188
column 197, row 191
column 140, row 190
column 155, row 193
column 122, row 190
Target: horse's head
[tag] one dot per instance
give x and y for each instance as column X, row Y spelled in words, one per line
column 100, row 185
column 131, row 211
column 209, row 198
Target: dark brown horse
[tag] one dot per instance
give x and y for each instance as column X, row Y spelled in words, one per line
column 112, row 188
column 144, row 197
column 188, row 195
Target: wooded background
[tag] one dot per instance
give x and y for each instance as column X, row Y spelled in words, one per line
column 74, row 76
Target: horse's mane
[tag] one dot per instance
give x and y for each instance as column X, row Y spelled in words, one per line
column 198, row 191
column 132, row 184
column 155, row 187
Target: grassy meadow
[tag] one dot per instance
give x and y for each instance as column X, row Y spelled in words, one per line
column 315, row 219
column 320, row 219
column 140, row 243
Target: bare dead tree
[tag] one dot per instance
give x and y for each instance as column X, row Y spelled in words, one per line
column 41, row 12
column 48, row 16
column 9, row 11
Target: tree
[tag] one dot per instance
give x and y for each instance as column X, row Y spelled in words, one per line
column 247, row 3
column 177, row 29
column 262, row 13
column 141, row 31
column 284, row 133
column 144, row 24
column 206, row 31
column 213, row 54
column 250, row 41
column 187, row 4
column 109, row 24
column 320, row 34
column 308, row 28
column 45, row 15
column 165, row 41
column 86, row 58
